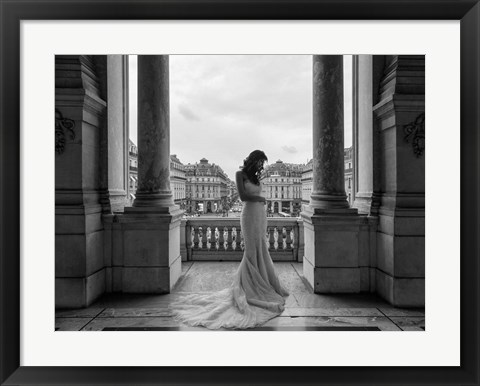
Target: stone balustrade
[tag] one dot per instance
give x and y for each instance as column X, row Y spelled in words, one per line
column 222, row 240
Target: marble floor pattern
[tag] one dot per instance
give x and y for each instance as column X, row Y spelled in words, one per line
column 304, row 310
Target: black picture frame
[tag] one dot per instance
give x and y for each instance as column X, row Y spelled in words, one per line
column 12, row 12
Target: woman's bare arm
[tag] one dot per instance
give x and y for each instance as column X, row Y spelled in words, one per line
column 244, row 196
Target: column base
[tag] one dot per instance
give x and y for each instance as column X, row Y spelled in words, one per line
column 332, row 280
column 401, row 292
column 152, row 200
column 310, row 210
column 71, row 292
column 337, row 247
column 146, row 249
column 151, row 280
column 171, row 209
column 329, row 201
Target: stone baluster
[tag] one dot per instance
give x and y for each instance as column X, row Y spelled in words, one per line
column 204, row 237
column 229, row 239
column 288, row 238
column 221, row 239
column 196, row 239
column 272, row 238
column 240, row 240
column 189, row 240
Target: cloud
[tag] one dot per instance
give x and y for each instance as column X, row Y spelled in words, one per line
column 187, row 113
column 224, row 106
column 289, row 149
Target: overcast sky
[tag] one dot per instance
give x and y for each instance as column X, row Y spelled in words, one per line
column 224, row 106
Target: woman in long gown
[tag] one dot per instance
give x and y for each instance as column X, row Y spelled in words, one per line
column 255, row 295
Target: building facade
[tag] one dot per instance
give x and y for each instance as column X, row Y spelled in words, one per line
column 307, row 182
column 178, row 181
column 348, row 160
column 283, row 187
column 132, row 170
column 207, row 187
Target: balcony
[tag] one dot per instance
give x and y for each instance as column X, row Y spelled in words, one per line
column 214, row 239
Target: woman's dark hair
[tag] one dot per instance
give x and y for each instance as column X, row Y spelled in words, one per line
column 250, row 165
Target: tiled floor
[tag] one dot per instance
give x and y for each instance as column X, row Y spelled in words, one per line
column 304, row 310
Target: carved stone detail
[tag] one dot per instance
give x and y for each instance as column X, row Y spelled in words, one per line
column 415, row 132
column 62, row 125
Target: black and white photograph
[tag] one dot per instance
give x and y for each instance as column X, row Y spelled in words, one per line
column 240, row 192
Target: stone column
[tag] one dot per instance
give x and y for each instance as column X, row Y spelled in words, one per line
column 331, row 229
column 153, row 133
column 365, row 142
column 150, row 261
column 328, row 168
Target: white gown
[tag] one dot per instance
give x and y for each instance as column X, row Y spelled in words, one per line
column 255, row 295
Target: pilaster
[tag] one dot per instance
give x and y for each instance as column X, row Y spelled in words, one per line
column 400, row 115
column 79, row 233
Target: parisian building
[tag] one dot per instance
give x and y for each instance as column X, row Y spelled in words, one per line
column 283, row 187
column 132, row 170
column 307, row 182
column 232, row 193
column 348, row 156
column 178, row 181
column 207, row 187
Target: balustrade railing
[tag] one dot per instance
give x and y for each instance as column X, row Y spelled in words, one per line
column 222, row 239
